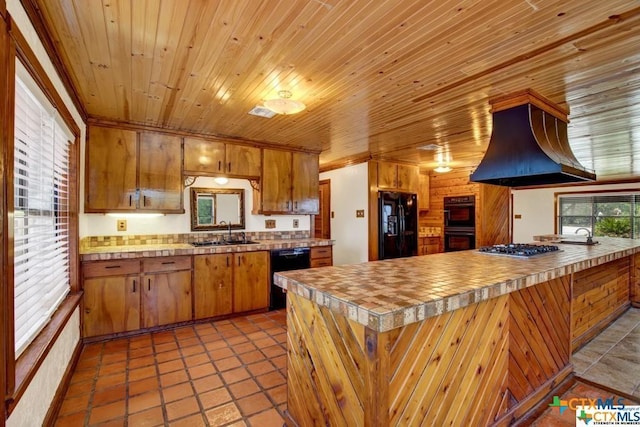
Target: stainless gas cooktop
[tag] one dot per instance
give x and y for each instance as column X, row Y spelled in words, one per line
column 521, row 250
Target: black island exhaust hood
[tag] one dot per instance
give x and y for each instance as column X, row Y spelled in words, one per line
column 529, row 145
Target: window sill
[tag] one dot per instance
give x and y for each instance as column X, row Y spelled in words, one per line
column 30, row 360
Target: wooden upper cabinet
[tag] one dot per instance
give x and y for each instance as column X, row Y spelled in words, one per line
column 207, row 157
column 305, row 183
column 131, row 171
column 276, row 181
column 393, row 176
column 111, row 170
column 289, row 183
column 423, row 191
column 160, row 173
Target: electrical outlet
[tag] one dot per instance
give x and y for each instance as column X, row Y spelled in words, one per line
column 296, row 223
column 269, row 223
column 122, row 225
column 360, row 213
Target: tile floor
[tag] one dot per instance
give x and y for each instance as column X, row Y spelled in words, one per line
column 233, row 373
column 224, row 373
column 613, row 357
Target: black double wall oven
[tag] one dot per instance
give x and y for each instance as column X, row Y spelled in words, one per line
column 459, row 223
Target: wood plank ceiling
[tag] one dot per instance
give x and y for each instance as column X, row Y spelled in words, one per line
column 379, row 78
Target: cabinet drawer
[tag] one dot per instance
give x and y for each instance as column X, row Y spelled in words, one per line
column 155, row 265
column 110, row 268
column 320, row 252
column 321, row 262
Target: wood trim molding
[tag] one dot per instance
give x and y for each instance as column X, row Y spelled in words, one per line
column 6, row 135
column 35, row 16
column 344, row 162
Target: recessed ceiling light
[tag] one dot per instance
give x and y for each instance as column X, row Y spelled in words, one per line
column 429, row 147
column 261, row 111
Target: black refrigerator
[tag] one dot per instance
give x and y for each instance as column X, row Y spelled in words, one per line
column 398, row 224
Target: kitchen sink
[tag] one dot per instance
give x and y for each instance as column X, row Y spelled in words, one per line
column 579, row 242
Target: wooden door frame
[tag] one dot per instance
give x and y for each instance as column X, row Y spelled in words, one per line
column 320, row 210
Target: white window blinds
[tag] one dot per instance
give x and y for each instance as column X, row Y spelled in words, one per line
column 41, row 232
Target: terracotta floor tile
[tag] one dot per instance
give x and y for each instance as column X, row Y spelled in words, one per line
column 170, row 366
column 234, row 341
column 239, row 423
column 140, row 341
column 172, row 378
column 80, row 387
column 202, row 371
column 189, row 342
column 182, row 408
column 205, row 329
column 196, row 420
column 278, row 394
column 83, row 376
column 144, row 401
column 177, row 392
column 163, row 337
column 231, row 334
column 71, row 420
column 273, row 351
column 253, row 404
column 213, row 398
column 149, row 418
column 254, row 336
column 113, row 368
column 211, row 346
column 272, row 379
column 270, row 418
column 224, row 414
column 75, row 404
column 279, row 362
column 167, row 346
column 110, row 381
column 116, row 346
column 141, row 351
column 220, row 353
column 224, row 325
column 166, row 356
column 191, row 350
column 109, row 395
column 235, row 375
column 91, row 350
column 197, row 359
column 185, row 332
column 140, row 362
column 207, row 383
column 107, row 412
column 251, row 357
column 265, row 342
column 143, row 386
column 113, row 357
column 244, row 388
column 142, row 373
column 261, row 367
column 244, row 347
column 120, row 422
column 228, row 363
column 87, row 362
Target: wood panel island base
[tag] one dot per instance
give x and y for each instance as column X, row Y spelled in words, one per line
column 417, row 341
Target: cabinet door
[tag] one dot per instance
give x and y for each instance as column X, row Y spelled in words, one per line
column 110, row 177
column 243, row 161
column 166, row 298
column 408, row 178
column 212, row 285
column 160, row 173
column 111, row 304
column 203, row 157
column 321, row 256
column 387, row 175
column 305, row 191
column 276, row 181
column 251, row 281
column 423, row 191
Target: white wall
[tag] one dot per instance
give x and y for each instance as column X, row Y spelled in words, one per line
column 349, row 192
column 536, row 206
column 104, row 225
column 36, row 400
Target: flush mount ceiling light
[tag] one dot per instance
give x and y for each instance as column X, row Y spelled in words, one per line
column 442, row 168
column 284, row 104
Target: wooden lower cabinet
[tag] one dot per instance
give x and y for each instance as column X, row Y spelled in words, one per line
column 166, row 290
column 230, row 283
column 321, row 256
column 111, row 301
column 428, row 245
column 251, row 281
column 212, row 285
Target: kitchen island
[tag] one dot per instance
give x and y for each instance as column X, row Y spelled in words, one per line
column 460, row 338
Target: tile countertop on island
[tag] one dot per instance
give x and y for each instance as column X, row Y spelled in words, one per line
column 389, row 294
column 102, row 253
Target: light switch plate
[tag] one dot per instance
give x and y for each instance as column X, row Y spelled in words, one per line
column 269, row 223
column 122, row 225
column 360, row 213
column 296, row 223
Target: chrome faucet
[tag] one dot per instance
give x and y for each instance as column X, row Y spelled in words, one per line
column 228, row 228
column 589, row 237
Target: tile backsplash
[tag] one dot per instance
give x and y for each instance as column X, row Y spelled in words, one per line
column 163, row 239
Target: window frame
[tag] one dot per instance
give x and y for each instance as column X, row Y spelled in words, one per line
column 18, row 373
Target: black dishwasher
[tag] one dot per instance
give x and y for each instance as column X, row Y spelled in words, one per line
column 285, row 260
